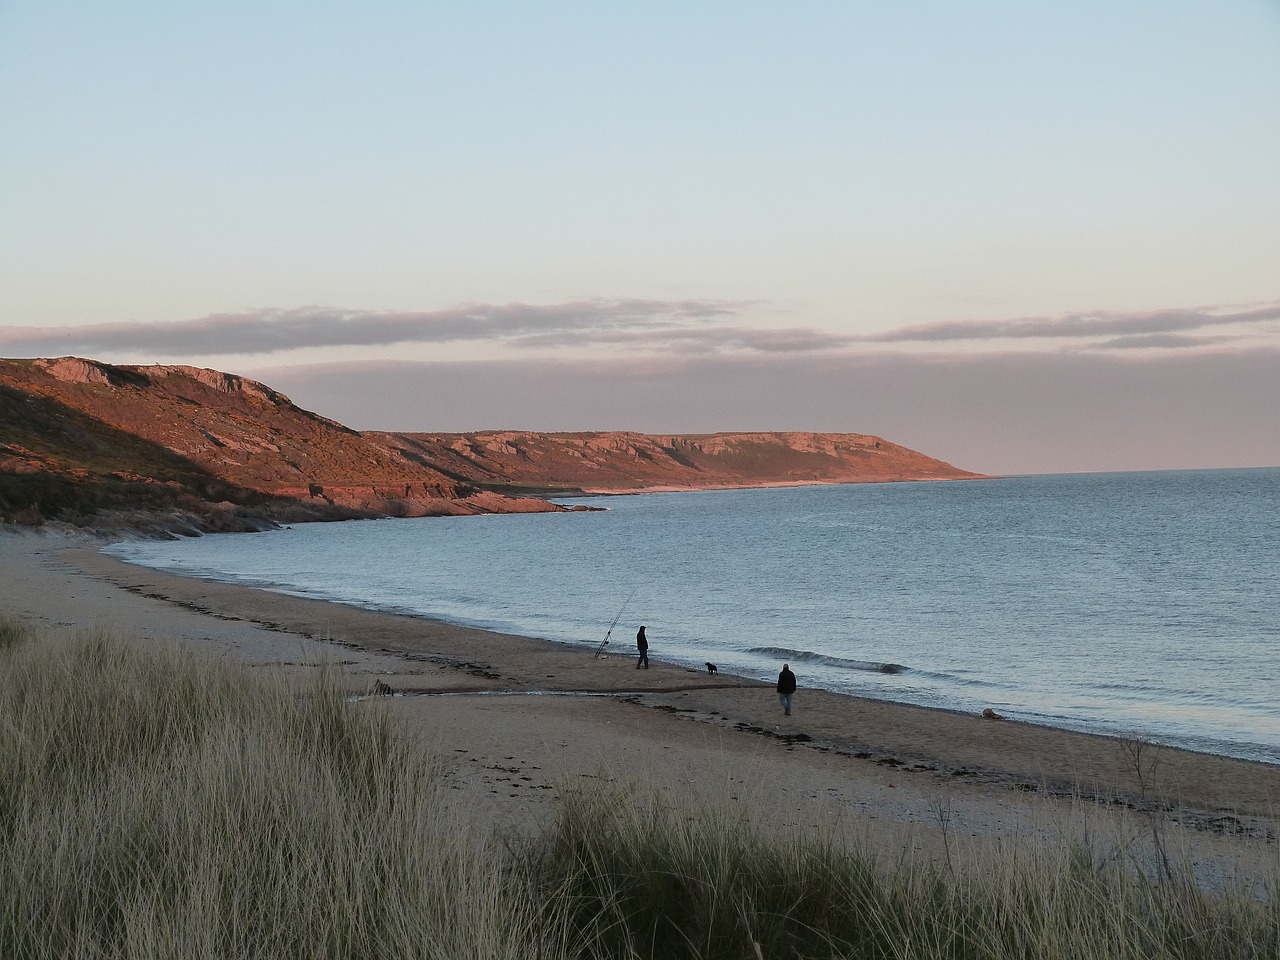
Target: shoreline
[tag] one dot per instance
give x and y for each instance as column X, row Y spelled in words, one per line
column 760, row 485
column 691, row 666
column 524, row 719
column 1120, row 720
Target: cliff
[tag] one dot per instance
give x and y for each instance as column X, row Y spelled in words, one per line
column 175, row 448
column 162, row 449
column 630, row 462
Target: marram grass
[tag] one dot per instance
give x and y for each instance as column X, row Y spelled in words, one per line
column 154, row 804
column 641, row 881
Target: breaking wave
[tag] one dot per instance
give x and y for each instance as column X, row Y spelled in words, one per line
column 809, row 656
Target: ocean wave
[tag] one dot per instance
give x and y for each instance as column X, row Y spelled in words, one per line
column 825, row 660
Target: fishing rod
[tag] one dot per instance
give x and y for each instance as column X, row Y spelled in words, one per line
column 600, row 649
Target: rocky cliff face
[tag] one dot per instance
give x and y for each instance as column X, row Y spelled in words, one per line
column 188, row 449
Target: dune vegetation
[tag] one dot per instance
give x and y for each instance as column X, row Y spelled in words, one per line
column 155, row 803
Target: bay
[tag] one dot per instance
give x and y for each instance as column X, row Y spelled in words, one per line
column 1135, row 605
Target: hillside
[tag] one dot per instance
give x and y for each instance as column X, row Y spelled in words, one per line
column 629, row 462
column 183, row 449
column 187, row 449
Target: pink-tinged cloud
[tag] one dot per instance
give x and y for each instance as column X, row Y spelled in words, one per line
column 1084, row 325
column 274, row 331
column 1161, row 341
column 664, row 338
column 641, row 327
column 992, row 413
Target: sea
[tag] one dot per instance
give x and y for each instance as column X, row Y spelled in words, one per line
column 1137, row 605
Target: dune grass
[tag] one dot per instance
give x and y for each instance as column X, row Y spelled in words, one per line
column 153, row 804
column 157, row 804
column 641, row 880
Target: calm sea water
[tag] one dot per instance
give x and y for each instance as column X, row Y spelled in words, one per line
column 1141, row 604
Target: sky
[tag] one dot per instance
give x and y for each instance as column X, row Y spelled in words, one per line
column 1023, row 237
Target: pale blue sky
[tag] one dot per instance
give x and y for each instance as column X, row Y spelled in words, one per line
column 711, row 195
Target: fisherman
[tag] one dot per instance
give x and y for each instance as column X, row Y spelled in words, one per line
column 642, row 644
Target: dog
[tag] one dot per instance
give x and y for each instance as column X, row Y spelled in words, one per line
column 381, row 689
column 990, row 714
column 711, row 667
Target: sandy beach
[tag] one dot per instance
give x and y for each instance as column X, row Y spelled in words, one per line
column 521, row 721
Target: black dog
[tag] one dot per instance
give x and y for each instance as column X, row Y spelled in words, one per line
column 711, row 667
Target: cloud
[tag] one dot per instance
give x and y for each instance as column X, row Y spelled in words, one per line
column 273, row 331
column 1095, row 324
column 640, row 327
column 1164, row 341
column 707, row 339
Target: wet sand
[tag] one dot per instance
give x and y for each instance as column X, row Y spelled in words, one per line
column 520, row 721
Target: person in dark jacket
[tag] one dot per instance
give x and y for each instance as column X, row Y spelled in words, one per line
column 786, row 688
column 642, row 644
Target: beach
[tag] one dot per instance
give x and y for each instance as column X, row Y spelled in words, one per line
column 520, row 721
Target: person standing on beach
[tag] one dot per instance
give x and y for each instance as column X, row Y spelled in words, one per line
column 642, row 644
column 786, row 688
